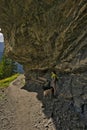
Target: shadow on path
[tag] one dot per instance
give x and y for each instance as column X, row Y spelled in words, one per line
column 60, row 110
column 47, row 103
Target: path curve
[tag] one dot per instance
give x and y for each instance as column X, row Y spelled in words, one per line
column 28, row 110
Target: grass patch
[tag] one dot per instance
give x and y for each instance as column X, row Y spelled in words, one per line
column 5, row 82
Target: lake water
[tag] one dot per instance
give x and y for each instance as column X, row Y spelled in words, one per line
column 1, row 46
column 1, row 49
column 1, row 54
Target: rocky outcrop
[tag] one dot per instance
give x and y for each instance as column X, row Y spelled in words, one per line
column 48, row 34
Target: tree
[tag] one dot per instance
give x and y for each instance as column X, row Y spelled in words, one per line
column 7, row 67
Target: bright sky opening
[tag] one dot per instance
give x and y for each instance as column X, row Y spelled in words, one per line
column 1, row 37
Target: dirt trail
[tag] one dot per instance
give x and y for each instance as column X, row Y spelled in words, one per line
column 25, row 109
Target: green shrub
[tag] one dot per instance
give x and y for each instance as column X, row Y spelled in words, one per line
column 7, row 67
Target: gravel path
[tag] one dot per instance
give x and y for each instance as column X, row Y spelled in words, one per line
column 21, row 110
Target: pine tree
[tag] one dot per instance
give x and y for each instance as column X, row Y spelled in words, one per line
column 7, row 67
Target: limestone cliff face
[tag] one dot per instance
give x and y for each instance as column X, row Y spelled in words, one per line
column 46, row 34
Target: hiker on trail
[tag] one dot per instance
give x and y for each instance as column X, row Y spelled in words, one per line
column 54, row 79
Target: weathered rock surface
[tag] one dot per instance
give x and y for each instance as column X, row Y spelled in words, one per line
column 48, row 34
